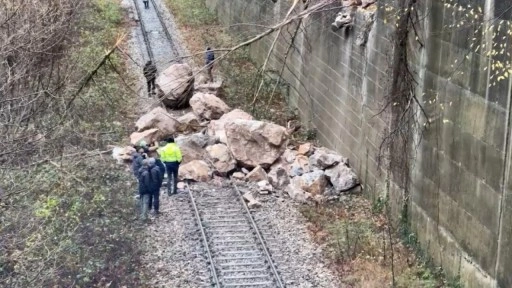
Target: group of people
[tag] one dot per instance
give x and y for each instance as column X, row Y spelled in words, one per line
column 149, row 165
column 150, row 70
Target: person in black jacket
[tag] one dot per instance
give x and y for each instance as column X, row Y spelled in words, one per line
column 156, row 183
column 150, row 74
column 145, row 188
column 210, row 58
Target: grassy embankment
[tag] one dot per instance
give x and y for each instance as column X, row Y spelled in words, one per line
column 68, row 221
column 360, row 245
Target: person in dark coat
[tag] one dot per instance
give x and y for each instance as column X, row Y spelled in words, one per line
column 146, row 185
column 150, row 74
column 146, row 4
column 156, row 183
column 210, row 58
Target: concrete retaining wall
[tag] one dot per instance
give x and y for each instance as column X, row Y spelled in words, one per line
column 459, row 204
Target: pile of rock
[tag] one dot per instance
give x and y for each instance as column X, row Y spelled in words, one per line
column 233, row 144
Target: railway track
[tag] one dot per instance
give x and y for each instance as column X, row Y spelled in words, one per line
column 152, row 24
column 234, row 246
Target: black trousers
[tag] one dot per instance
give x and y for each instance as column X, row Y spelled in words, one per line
column 172, row 177
column 151, row 85
column 146, row 4
column 154, row 200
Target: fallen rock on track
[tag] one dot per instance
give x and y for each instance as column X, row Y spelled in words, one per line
column 216, row 127
column 149, row 136
column 254, row 143
column 188, row 123
column 221, row 158
column 192, row 146
column 175, row 86
column 253, row 203
column 158, row 118
column 257, row 174
column 196, row 170
column 208, row 106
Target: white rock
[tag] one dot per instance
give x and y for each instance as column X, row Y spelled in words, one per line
column 238, row 176
column 253, row 203
column 324, row 158
column 188, row 123
column 257, row 174
column 221, row 158
column 196, row 170
column 313, row 182
column 305, row 149
column 208, row 106
column 149, row 136
column 342, row 177
column 263, row 185
column 296, row 193
column 255, row 143
column 216, row 127
column 158, row 118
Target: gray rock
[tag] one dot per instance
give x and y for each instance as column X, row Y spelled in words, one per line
column 342, row 177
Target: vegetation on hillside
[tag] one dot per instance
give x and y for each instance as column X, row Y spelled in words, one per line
column 65, row 210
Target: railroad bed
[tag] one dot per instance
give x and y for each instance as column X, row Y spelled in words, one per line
column 235, row 248
column 159, row 43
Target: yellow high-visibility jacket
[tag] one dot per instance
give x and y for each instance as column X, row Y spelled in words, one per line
column 170, row 153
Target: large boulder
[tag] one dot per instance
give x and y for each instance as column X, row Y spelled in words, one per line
column 188, row 123
column 254, row 143
column 342, row 177
column 313, row 182
column 149, row 136
column 192, row 146
column 158, row 118
column 196, row 170
column 208, row 106
column 216, row 127
column 257, row 174
column 175, row 86
column 221, row 158
column 324, row 158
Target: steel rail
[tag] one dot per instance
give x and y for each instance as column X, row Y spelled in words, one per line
column 260, row 238
column 144, row 32
column 205, row 239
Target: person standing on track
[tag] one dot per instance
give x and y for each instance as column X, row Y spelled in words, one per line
column 170, row 154
column 150, row 74
column 145, row 188
column 210, row 58
column 146, row 4
column 157, row 177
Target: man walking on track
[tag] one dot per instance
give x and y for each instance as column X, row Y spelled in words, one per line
column 146, row 4
column 210, row 57
column 150, row 74
column 170, row 154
